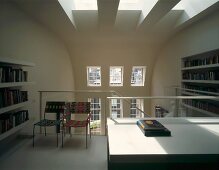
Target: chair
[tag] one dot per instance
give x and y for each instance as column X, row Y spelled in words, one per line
column 51, row 107
column 77, row 108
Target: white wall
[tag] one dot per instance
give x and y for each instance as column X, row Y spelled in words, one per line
column 107, row 50
column 21, row 37
column 200, row 37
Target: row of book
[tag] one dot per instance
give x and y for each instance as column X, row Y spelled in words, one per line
column 203, row 105
column 201, row 88
column 12, row 119
column 208, row 75
column 204, row 61
column 12, row 96
column 9, row 74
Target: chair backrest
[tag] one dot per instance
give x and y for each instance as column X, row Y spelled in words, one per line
column 80, row 107
column 54, row 107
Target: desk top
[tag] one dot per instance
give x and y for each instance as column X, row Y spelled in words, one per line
column 190, row 136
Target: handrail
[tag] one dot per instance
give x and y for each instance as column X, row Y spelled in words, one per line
column 167, row 97
column 78, row 91
column 111, row 94
column 145, row 114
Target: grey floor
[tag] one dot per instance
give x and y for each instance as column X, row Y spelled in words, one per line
column 46, row 156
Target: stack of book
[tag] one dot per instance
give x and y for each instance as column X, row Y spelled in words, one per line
column 153, row 128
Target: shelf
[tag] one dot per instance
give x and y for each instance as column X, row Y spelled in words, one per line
column 200, row 110
column 15, row 84
column 11, row 61
column 188, row 86
column 13, row 107
column 195, row 94
column 12, row 131
column 201, row 81
column 199, row 91
column 201, row 67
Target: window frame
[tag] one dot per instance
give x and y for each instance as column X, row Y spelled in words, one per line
column 88, row 77
column 122, row 72
column 143, row 76
column 139, row 103
column 117, row 108
column 98, row 123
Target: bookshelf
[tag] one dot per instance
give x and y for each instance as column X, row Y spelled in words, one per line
column 13, row 97
column 200, row 76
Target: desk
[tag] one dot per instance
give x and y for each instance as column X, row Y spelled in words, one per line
column 194, row 143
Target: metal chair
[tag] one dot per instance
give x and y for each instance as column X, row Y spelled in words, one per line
column 76, row 108
column 51, row 107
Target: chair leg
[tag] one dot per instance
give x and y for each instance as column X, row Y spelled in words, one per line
column 64, row 131
column 86, row 136
column 33, row 134
column 90, row 130
column 57, row 139
column 62, row 135
column 69, row 129
column 45, row 130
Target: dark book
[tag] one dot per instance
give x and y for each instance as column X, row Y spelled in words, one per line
column 153, row 128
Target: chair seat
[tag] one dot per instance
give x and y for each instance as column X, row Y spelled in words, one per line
column 76, row 123
column 47, row 122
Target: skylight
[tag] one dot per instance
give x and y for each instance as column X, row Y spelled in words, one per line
column 130, row 5
column 85, row 5
column 179, row 6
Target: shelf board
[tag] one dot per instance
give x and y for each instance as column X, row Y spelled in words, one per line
column 199, row 91
column 15, row 84
column 11, row 61
column 12, row 131
column 13, row 107
column 195, row 94
column 201, row 67
column 200, row 110
column 201, row 81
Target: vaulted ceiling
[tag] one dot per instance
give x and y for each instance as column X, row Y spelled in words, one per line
column 156, row 22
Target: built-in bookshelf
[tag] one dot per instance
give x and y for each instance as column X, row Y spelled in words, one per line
column 200, row 76
column 13, row 97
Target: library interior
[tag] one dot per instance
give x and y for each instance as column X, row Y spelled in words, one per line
column 109, row 84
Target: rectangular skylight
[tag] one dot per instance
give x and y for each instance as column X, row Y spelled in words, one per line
column 130, row 5
column 179, row 6
column 85, row 5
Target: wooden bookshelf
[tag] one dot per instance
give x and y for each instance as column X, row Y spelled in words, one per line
column 199, row 91
column 12, row 80
column 15, row 84
column 11, row 61
column 200, row 110
column 200, row 76
column 201, row 67
column 202, row 81
column 13, row 107
column 13, row 130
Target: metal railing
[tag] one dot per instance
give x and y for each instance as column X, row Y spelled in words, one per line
column 179, row 106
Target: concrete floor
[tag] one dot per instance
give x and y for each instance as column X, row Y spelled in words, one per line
column 46, row 156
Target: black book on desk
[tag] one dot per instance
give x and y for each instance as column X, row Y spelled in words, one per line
column 153, row 128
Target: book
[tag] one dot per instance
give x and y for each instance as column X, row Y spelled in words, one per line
column 153, row 128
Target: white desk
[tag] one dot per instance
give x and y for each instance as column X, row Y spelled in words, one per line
column 192, row 140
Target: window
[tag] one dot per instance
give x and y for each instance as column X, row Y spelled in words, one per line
column 116, row 76
column 137, row 106
column 138, row 76
column 95, row 114
column 94, row 76
column 116, row 108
